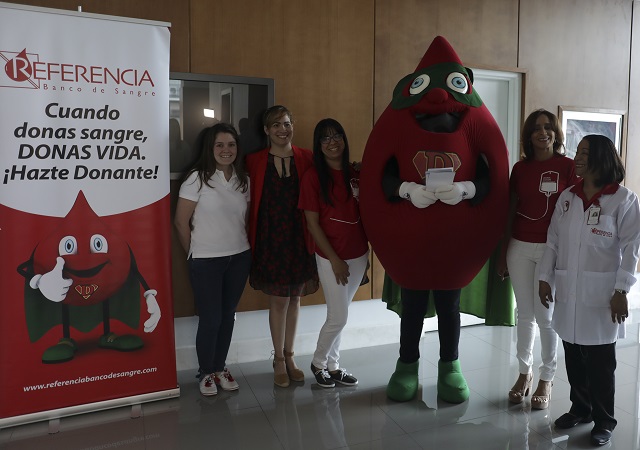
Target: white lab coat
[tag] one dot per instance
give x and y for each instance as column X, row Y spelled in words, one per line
column 587, row 262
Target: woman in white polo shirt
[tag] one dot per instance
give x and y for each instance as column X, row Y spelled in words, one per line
column 211, row 223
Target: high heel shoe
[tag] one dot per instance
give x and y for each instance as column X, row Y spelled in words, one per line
column 294, row 373
column 521, row 388
column 280, row 379
column 542, row 395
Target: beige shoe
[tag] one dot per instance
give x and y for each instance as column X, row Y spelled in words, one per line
column 542, row 395
column 280, row 379
column 292, row 370
column 522, row 388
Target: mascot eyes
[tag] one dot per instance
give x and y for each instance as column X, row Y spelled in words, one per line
column 458, row 82
column 68, row 246
column 420, row 83
column 98, row 244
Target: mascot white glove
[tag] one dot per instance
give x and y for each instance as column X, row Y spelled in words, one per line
column 153, row 309
column 51, row 284
column 453, row 194
column 417, row 193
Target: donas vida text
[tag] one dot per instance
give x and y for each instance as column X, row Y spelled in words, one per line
column 21, row 172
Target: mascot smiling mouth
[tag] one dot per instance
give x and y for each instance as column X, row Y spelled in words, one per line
column 439, row 123
column 86, row 273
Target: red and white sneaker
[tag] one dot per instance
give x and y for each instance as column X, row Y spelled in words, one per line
column 208, row 385
column 225, row 380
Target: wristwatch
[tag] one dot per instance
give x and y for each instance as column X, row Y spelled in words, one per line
column 621, row 291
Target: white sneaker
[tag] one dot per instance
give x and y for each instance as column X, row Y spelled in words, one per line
column 208, row 385
column 226, row 381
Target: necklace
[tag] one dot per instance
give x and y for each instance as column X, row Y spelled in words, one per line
column 284, row 168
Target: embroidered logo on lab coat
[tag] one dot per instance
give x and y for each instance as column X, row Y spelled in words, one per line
column 604, row 233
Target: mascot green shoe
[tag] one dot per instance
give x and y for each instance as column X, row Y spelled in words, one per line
column 124, row 343
column 63, row 351
column 403, row 384
column 452, row 387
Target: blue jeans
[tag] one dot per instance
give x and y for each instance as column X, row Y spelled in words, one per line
column 217, row 286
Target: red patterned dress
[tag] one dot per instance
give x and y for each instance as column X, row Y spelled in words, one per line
column 281, row 264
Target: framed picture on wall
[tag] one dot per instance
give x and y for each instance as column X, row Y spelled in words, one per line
column 578, row 122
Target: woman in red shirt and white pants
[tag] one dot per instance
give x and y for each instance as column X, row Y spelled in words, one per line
column 329, row 198
column 535, row 184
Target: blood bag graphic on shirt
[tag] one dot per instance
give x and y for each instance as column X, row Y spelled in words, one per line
column 549, row 181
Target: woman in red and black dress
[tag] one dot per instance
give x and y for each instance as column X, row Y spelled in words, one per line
column 282, row 267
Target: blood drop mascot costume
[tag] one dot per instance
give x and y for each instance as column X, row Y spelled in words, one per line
column 434, row 240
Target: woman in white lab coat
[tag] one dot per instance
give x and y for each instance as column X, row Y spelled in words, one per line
column 591, row 257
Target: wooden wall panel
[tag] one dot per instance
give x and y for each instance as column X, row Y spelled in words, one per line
column 320, row 55
column 578, row 55
column 483, row 33
column 174, row 11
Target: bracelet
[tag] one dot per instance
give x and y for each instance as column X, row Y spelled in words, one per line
column 621, row 291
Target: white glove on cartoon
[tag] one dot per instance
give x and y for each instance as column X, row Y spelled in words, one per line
column 51, row 284
column 417, row 193
column 456, row 192
column 153, row 309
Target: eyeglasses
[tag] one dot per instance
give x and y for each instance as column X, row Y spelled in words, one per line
column 336, row 138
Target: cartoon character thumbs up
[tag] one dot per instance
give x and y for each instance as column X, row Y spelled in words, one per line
column 51, row 284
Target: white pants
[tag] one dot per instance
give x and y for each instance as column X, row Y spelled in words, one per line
column 523, row 260
column 338, row 298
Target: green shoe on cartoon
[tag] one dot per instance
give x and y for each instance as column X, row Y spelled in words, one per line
column 63, row 351
column 124, row 343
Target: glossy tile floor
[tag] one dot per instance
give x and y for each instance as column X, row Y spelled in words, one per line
column 305, row 416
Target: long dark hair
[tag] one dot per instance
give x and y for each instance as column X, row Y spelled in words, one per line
column 205, row 165
column 324, row 171
column 604, row 160
column 530, row 125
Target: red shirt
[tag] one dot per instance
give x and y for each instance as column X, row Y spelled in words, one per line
column 538, row 185
column 341, row 221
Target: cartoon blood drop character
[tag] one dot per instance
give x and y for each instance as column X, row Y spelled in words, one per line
column 83, row 275
column 434, row 239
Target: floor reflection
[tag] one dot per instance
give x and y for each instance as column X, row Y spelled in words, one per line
column 326, row 405
column 305, row 416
